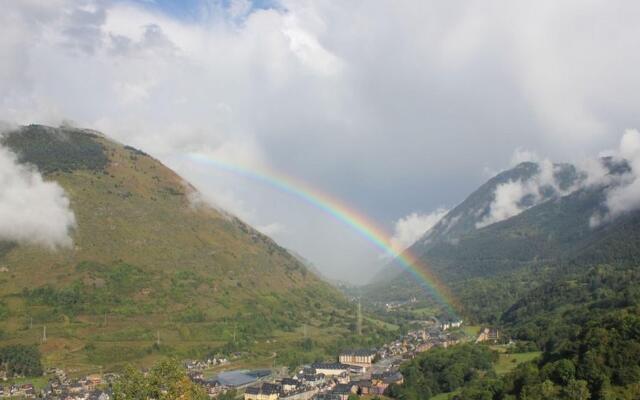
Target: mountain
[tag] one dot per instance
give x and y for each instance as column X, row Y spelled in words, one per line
column 465, row 218
column 562, row 287
column 489, row 266
column 468, row 215
column 151, row 264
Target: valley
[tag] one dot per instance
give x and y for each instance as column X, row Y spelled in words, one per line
column 319, row 200
column 156, row 274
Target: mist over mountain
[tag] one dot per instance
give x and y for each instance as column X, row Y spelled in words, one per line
column 536, row 216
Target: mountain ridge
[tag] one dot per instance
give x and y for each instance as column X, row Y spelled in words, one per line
column 147, row 261
column 552, row 231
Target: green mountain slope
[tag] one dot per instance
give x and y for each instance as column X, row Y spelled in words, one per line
column 553, row 283
column 490, row 267
column 463, row 219
column 149, row 262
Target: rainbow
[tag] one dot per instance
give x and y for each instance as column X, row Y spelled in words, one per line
column 364, row 226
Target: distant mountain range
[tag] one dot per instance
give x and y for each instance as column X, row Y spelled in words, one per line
column 537, row 253
column 536, row 219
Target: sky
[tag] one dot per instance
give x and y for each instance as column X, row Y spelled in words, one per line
column 399, row 109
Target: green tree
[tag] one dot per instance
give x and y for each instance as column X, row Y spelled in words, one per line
column 166, row 381
column 228, row 395
column 562, row 371
column 576, row 390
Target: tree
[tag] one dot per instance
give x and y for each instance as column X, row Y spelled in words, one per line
column 562, row 371
column 21, row 360
column 228, row 395
column 576, row 390
column 131, row 385
column 166, row 381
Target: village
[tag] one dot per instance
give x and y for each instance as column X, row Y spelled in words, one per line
column 356, row 372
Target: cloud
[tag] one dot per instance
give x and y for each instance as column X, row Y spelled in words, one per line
column 622, row 189
column 410, row 228
column 32, row 211
column 271, row 229
column 507, row 202
column 521, row 155
column 325, row 90
column 623, row 193
column 515, row 196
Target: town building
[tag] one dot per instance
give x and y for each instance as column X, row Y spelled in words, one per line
column 488, row 335
column 265, row 391
column 330, row 369
column 362, row 358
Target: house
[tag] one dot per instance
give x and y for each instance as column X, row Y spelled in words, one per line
column 265, row 391
column 380, row 382
column 94, row 380
column 363, row 358
column 300, row 394
column 488, row 334
column 312, row 380
column 289, row 385
column 365, row 386
column 343, row 391
column 330, row 369
column 343, row 378
column 28, row 390
column 450, row 324
column 393, row 378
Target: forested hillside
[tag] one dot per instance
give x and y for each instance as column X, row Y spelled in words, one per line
column 552, row 281
column 152, row 272
column 489, row 267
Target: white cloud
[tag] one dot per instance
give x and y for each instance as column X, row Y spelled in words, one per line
column 410, row 228
column 323, row 88
column 521, row 155
column 32, row 210
column 507, row 202
column 623, row 194
column 271, row 229
column 513, row 197
column 622, row 190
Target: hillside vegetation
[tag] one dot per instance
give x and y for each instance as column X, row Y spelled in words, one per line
column 489, row 268
column 557, row 286
column 150, row 264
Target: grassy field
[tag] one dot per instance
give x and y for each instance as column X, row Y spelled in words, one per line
column 471, row 331
column 425, row 312
column 508, row 362
column 38, row 382
column 382, row 324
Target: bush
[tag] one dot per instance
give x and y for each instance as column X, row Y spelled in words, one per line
column 21, row 360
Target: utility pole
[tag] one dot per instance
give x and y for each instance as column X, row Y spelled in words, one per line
column 158, row 338
column 44, row 334
column 359, row 325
